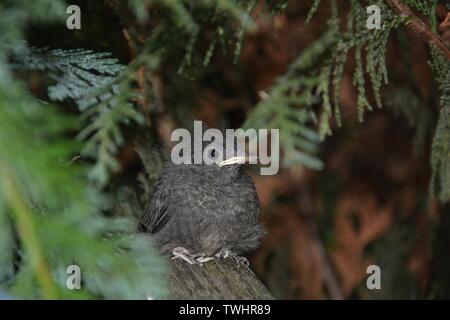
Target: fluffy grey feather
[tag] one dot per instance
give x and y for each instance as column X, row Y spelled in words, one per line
column 203, row 208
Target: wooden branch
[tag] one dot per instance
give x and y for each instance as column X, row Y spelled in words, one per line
column 419, row 27
column 217, row 279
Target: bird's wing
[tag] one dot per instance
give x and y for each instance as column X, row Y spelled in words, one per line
column 156, row 212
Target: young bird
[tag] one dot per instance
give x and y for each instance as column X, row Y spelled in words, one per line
column 201, row 211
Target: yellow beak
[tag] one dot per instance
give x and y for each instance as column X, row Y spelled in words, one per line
column 234, row 160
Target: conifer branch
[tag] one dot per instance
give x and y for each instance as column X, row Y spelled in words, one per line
column 27, row 232
column 419, row 27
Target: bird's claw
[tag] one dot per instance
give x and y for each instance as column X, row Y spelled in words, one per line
column 203, row 259
column 230, row 254
column 184, row 254
column 199, row 259
column 222, row 254
column 241, row 261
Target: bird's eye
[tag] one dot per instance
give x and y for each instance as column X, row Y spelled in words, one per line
column 212, row 153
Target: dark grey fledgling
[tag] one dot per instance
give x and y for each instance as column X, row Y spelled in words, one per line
column 199, row 211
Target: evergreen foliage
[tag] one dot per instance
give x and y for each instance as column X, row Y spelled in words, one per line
column 317, row 95
column 50, row 215
column 440, row 157
column 51, row 192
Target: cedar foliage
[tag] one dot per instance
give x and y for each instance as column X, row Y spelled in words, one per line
column 56, row 210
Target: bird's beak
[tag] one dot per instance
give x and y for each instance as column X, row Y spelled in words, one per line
column 234, row 160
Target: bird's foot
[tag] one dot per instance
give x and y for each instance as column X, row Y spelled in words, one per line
column 183, row 254
column 202, row 258
column 186, row 255
column 223, row 254
column 240, row 260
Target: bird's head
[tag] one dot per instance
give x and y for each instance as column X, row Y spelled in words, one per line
column 223, row 160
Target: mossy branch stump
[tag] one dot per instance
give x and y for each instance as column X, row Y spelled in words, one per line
column 217, row 279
